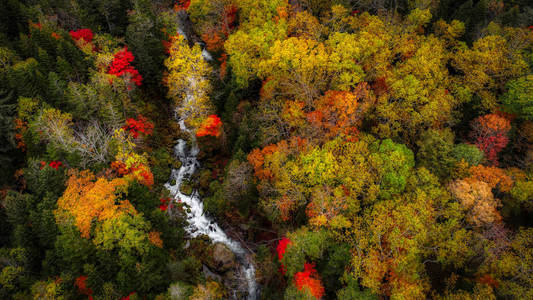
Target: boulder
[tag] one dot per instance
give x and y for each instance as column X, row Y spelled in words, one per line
column 186, row 188
column 223, row 257
column 210, row 275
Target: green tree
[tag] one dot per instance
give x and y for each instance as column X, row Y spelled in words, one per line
column 518, row 97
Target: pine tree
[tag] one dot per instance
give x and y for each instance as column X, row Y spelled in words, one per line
column 7, row 141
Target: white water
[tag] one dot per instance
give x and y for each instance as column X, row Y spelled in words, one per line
column 199, row 223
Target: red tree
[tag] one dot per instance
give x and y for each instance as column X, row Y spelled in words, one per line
column 55, row 164
column 210, row 126
column 280, row 249
column 121, row 66
column 84, row 34
column 182, row 5
column 164, row 204
column 489, row 133
column 309, row 279
column 141, row 125
column 81, row 284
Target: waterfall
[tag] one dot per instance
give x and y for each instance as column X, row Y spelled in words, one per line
column 198, row 222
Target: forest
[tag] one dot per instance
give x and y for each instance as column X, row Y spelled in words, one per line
column 266, row 149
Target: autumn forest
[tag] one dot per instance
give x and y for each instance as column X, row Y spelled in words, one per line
column 266, row 149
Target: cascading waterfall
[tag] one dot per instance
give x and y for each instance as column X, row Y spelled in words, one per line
column 199, row 223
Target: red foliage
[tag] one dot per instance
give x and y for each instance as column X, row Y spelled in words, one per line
column 164, row 204
column 309, row 279
column 128, row 297
column 55, row 35
column 211, row 126
column 120, row 168
column 182, row 5
column 489, row 133
column 55, row 164
column 139, row 171
column 223, row 65
column 37, row 25
column 20, row 127
column 81, row 284
column 488, row 280
column 214, row 38
column 121, row 66
column 280, row 249
column 166, row 45
column 84, row 34
column 230, row 15
column 354, row 12
column 141, row 125
column 146, row 177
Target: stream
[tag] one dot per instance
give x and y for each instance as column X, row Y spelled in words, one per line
column 198, row 222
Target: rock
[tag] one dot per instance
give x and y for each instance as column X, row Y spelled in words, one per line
column 176, row 164
column 223, row 257
column 186, row 188
column 210, row 275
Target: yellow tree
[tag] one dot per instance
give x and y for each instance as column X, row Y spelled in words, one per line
column 187, row 81
column 417, row 95
column 88, row 199
column 491, row 62
column 262, row 23
column 304, row 68
column 477, row 199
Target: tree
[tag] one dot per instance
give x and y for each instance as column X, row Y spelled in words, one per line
column 418, row 96
column 262, row 23
column 495, row 177
column 512, row 268
column 517, row 99
column 120, row 66
column 272, row 166
column 476, row 197
column 435, row 151
column 304, row 68
column 308, row 280
column 393, row 163
column 339, row 113
column 87, row 199
column 7, row 135
column 187, row 81
column 211, row 126
column 214, row 20
column 490, row 63
column 84, row 34
column 489, row 133
column 139, row 125
column 56, row 127
column 469, row 153
column 143, row 36
column 209, row 290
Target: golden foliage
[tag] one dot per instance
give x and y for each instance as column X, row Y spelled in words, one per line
column 88, row 198
column 476, row 197
column 155, row 238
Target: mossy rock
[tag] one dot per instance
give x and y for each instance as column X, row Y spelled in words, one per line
column 176, row 164
column 223, row 258
column 186, row 188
